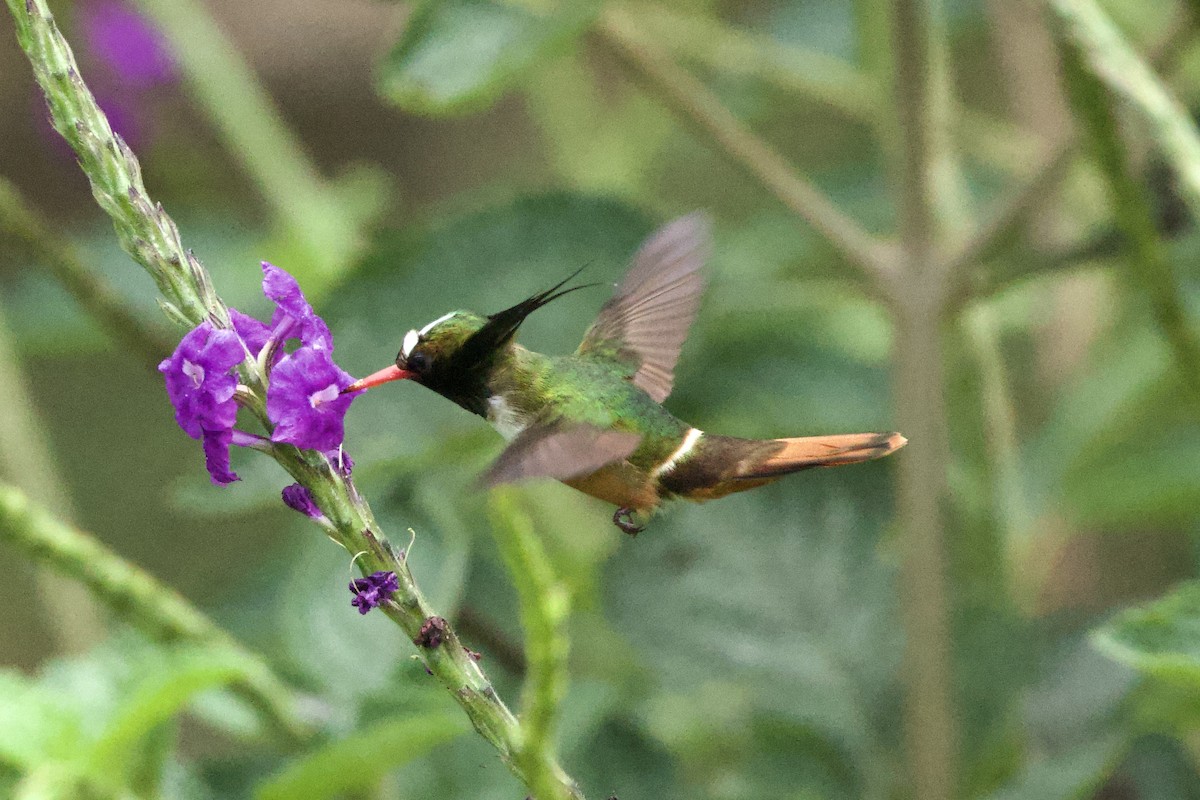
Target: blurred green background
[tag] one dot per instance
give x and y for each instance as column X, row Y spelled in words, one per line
column 465, row 154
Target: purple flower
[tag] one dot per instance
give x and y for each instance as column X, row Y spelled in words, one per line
column 371, row 591
column 304, row 400
column 293, row 317
column 201, row 388
column 252, row 332
column 133, row 48
column 199, row 382
column 298, row 498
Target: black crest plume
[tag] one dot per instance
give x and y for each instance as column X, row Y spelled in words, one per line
column 502, row 326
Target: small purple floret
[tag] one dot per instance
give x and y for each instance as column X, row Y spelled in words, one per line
column 298, row 498
column 201, row 387
column 371, row 591
column 304, row 401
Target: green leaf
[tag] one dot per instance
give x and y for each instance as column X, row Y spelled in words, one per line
column 460, row 55
column 1072, row 775
column 36, row 725
column 357, row 762
column 55, row 782
column 1154, row 479
column 785, row 590
column 166, row 683
column 1160, row 639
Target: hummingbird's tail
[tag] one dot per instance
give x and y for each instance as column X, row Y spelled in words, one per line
column 806, row 452
column 721, row 465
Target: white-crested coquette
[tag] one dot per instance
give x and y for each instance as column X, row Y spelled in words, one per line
column 594, row 419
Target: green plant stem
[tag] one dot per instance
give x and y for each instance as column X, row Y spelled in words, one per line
column 931, row 724
column 141, row 600
column 544, row 609
column 309, row 210
column 91, row 291
column 1010, row 508
column 355, row 528
column 115, row 176
column 26, row 459
column 1112, row 60
column 930, row 720
column 693, row 101
column 143, row 228
column 1134, row 218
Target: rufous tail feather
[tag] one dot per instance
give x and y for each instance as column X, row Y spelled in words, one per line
column 806, row 452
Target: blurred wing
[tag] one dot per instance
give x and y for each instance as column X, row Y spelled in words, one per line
column 560, row 452
column 646, row 322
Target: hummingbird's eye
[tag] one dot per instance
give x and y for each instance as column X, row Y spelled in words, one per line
column 418, row 362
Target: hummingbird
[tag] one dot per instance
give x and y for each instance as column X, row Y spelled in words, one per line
column 594, row 419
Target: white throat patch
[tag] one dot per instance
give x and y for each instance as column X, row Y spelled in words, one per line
column 504, row 418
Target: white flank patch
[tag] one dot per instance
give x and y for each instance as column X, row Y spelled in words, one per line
column 504, row 418
column 684, row 448
column 431, row 325
column 410, row 341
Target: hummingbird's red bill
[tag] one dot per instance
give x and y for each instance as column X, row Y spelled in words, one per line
column 385, row 375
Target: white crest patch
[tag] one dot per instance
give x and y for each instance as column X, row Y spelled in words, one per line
column 504, row 418
column 410, row 341
column 440, row 319
column 684, row 448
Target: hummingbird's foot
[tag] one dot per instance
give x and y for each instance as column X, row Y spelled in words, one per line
column 623, row 519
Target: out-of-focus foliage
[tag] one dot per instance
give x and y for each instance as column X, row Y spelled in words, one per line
column 460, row 54
column 745, row 648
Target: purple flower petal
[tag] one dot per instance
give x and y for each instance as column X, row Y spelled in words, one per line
column 251, row 331
column 127, row 42
column 216, row 456
column 282, row 289
column 298, row 498
column 304, row 401
column 199, row 382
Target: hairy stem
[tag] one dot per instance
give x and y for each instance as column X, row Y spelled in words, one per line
column 141, row 600
column 693, row 101
column 143, row 228
column 309, row 211
column 115, row 176
column 445, row 656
